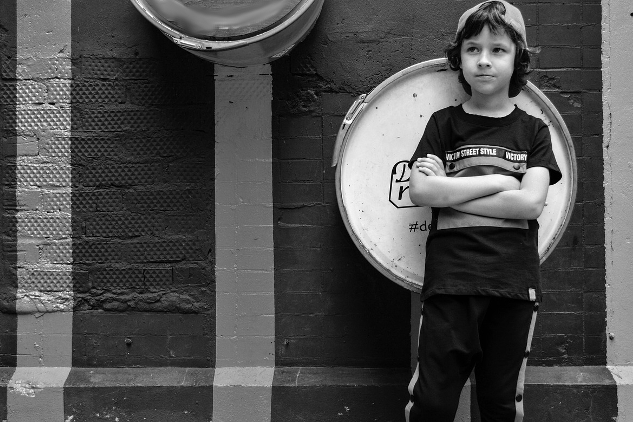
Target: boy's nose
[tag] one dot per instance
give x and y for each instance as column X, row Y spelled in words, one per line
column 483, row 60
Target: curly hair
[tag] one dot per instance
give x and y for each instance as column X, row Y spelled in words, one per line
column 491, row 15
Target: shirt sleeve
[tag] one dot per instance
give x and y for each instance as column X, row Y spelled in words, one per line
column 430, row 143
column 542, row 155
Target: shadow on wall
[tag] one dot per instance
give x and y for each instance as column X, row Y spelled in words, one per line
column 142, row 148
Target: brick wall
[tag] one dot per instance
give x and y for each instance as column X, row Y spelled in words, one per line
column 571, row 326
column 354, row 47
column 142, row 204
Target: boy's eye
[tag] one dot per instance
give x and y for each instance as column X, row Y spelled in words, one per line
column 499, row 50
column 472, row 49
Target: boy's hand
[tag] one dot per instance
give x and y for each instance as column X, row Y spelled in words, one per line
column 430, row 165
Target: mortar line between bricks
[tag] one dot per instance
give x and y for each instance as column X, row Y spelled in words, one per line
column 44, row 320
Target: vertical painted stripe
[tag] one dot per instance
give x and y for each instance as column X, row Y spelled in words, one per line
column 245, row 314
column 44, row 297
column 617, row 91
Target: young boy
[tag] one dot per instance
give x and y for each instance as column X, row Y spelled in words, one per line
column 484, row 167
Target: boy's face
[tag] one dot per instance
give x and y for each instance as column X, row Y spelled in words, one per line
column 488, row 62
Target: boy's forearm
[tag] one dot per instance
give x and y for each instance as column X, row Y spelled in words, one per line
column 450, row 191
column 524, row 203
column 515, row 204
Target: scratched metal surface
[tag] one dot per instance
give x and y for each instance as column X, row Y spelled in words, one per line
column 233, row 8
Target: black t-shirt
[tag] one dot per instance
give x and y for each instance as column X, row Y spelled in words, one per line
column 468, row 254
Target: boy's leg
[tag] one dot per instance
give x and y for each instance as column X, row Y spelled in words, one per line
column 505, row 335
column 447, row 351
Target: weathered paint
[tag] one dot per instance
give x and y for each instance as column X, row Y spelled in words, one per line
column 44, row 299
column 245, row 309
column 617, row 61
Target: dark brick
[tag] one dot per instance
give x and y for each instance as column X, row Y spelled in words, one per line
column 565, row 280
column 592, row 102
column 298, row 193
column 556, row 79
column 596, row 345
column 297, row 259
column 592, row 14
column 301, row 171
column 594, row 302
column 574, row 123
column 562, row 345
column 593, row 213
column 591, row 124
column 562, row 302
column 121, row 175
column 559, row 13
column 297, row 281
column 565, row 102
column 530, row 13
column 96, row 201
column 560, row 35
column 91, row 92
column 191, row 275
column 290, row 149
column 555, row 57
column 592, row 79
column 162, row 251
column 299, row 237
column 117, row 278
column 123, row 225
column 594, row 257
column 561, row 323
column 591, row 35
column 594, row 280
column 336, row 104
column 591, row 58
column 299, row 325
column 167, row 200
column 299, row 127
column 593, row 190
column 595, row 323
column 201, row 173
column 299, row 303
column 594, row 235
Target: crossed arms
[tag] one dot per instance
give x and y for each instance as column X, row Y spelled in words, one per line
column 493, row 195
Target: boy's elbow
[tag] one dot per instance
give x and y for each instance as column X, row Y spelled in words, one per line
column 534, row 210
column 423, row 197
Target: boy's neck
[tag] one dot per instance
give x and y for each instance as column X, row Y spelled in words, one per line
column 487, row 106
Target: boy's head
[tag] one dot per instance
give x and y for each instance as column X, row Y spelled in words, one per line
column 499, row 17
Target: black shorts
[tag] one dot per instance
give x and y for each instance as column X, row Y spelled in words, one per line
column 491, row 335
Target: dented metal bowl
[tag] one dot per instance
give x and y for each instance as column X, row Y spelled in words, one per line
column 238, row 36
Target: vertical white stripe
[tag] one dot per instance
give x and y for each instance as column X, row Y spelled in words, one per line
column 245, row 314
column 44, row 302
column 521, row 379
column 617, row 91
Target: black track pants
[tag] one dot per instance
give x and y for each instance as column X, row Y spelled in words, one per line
column 459, row 333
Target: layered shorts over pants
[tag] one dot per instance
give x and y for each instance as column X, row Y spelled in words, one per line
column 491, row 335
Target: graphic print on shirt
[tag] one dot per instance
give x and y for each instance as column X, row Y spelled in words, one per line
column 479, row 160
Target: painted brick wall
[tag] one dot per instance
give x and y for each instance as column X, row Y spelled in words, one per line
column 142, row 205
column 571, row 326
column 355, row 46
column 142, row 174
